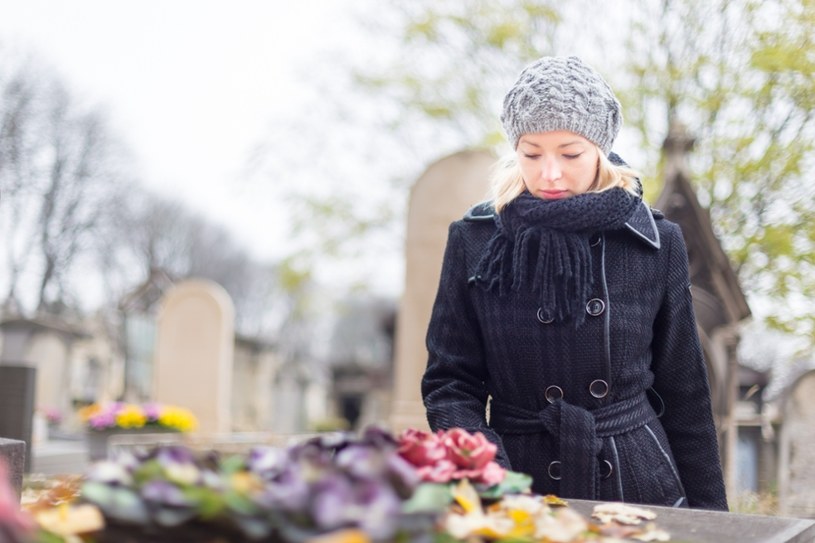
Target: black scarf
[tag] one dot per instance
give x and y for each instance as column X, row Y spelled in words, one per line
column 542, row 246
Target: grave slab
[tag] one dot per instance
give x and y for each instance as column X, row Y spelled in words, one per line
column 699, row 526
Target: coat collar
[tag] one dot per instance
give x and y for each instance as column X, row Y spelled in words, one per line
column 641, row 224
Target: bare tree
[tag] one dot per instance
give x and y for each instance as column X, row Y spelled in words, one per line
column 58, row 171
column 153, row 232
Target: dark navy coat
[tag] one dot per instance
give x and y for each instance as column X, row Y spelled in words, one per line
column 543, row 378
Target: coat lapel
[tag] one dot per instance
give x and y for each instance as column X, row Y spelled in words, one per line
column 643, row 226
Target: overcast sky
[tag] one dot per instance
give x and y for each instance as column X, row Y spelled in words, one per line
column 191, row 86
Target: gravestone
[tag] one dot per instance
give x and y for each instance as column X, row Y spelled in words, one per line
column 17, row 396
column 441, row 195
column 796, row 476
column 13, row 454
column 195, row 343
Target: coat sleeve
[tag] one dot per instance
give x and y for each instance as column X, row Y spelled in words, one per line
column 453, row 386
column 680, row 378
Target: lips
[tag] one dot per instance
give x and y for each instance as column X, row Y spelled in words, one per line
column 553, row 194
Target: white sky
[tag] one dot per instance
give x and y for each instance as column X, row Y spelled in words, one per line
column 191, row 86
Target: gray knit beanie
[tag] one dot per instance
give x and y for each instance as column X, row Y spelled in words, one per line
column 557, row 93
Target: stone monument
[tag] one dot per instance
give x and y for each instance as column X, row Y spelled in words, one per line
column 796, row 470
column 194, row 352
column 13, row 455
column 17, row 400
column 441, row 195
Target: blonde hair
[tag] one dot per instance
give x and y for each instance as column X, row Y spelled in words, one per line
column 508, row 183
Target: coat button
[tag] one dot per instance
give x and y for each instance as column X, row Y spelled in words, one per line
column 554, row 470
column 598, row 388
column 595, row 307
column 553, row 393
column 595, row 240
column 605, row 469
column 544, row 319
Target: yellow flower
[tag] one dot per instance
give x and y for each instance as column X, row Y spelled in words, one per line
column 178, row 418
column 70, row 521
column 245, row 483
column 349, row 535
column 88, row 411
column 131, row 416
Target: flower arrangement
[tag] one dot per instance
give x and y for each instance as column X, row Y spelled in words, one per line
column 335, row 488
column 120, row 415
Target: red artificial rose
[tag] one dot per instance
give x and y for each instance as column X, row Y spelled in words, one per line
column 422, row 449
column 469, row 451
column 492, row 474
column 442, row 471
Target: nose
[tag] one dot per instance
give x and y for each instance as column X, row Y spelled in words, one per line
column 550, row 170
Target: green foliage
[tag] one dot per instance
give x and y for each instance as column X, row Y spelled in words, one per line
column 429, row 497
column 514, row 483
column 455, row 58
column 742, row 76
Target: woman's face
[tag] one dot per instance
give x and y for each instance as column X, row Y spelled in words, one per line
column 557, row 164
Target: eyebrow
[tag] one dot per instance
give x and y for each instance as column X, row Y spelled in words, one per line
column 559, row 146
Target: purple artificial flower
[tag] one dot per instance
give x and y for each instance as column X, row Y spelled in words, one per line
column 380, row 506
column 402, row 475
column 369, row 505
column 164, row 493
column 361, row 461
column 379, row 438
column 267, row 462
column 172, row 454
column 288, row 491
column 103, row 420
column 111, row 473
column 179, row 465
column 333, row 502
column 152, row 411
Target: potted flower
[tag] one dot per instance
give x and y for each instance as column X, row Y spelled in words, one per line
column 105, row 420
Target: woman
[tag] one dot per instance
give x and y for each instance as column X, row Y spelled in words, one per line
column 565, row 301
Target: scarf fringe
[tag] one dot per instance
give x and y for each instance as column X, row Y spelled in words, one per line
column 543, row 247
column 556, row 266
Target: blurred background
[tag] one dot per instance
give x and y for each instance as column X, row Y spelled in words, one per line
column 271, row 148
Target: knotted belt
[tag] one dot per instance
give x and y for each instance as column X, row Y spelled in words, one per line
column 579, row 431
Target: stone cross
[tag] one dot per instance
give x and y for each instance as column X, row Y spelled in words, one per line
column 194, row 352
column 443, row 193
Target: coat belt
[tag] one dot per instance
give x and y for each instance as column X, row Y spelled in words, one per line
column 579, row 432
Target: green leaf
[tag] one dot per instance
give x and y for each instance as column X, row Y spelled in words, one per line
column 232, row 464
column 208, row 502
column 429, row 497
column 148, row 471
column 117, row 502
column 239, row 503
column 44, row 536
column 513, row 483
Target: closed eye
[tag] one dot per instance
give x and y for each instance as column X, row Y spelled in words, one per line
column 531, row 157
column 572, row 157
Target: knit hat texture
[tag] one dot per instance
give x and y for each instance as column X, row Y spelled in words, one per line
column 562, row 93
